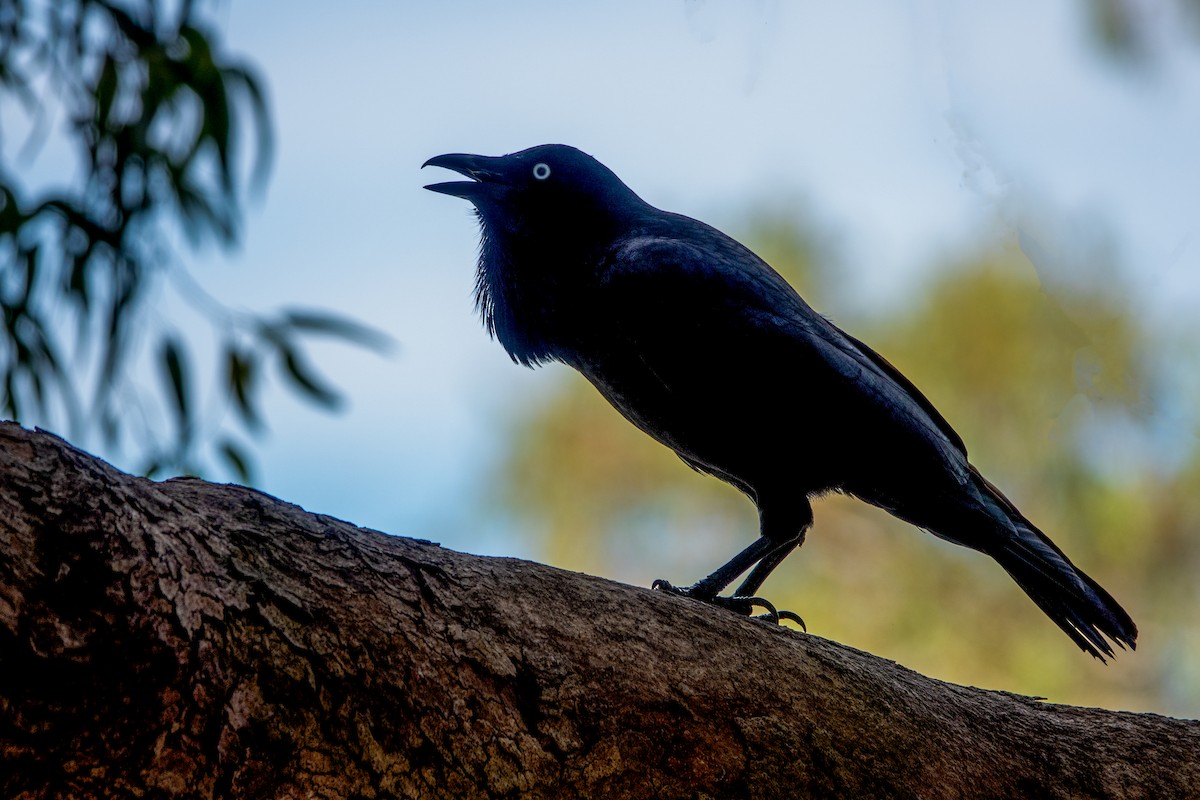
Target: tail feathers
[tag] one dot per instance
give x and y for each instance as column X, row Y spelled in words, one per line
column 1075, row 602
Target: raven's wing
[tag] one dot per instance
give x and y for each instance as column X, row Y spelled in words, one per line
column 708, row 287
column 858, row 350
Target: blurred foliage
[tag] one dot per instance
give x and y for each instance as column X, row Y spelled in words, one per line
column 154, row 110
column 1037, row 382
column 1131, row 30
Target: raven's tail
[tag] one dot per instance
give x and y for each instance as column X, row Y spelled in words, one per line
column 1075, row 602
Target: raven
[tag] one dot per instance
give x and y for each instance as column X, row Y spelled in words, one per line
column 703, row 346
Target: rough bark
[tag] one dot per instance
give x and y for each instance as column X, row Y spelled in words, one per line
column 189, row 639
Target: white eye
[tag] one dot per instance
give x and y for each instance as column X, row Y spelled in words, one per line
column 541, row 171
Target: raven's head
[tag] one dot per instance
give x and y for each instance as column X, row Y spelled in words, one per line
column 548, row 214
column 551, row 194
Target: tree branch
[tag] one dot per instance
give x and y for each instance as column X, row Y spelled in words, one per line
column 187, row 639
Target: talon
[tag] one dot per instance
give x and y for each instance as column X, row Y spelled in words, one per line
column 744, row 605
column 772, row 614
column 662, row 585
column 794, row 617
column 738, row 604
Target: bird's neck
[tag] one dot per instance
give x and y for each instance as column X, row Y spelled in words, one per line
column 527, row 286
column 516, row 310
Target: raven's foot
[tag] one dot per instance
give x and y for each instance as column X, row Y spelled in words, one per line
column 742, row 605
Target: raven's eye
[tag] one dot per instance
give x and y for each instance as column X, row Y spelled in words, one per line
column 541, row 171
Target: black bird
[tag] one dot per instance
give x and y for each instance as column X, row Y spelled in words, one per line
column 699, row 343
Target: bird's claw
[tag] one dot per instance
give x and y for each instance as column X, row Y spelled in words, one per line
column 743, row 605
column 794, row 617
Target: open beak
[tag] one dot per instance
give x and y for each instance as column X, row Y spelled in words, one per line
column 482, row 170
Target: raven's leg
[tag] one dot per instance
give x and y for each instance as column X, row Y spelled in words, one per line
column 760, row 573
column 769, row 562
column 707, row 589
column 780, row 535
column 787, row 529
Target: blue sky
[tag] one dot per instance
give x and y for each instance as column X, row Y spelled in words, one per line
column 906, row 128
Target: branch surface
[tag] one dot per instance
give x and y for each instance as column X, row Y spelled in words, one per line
column 190, row 639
